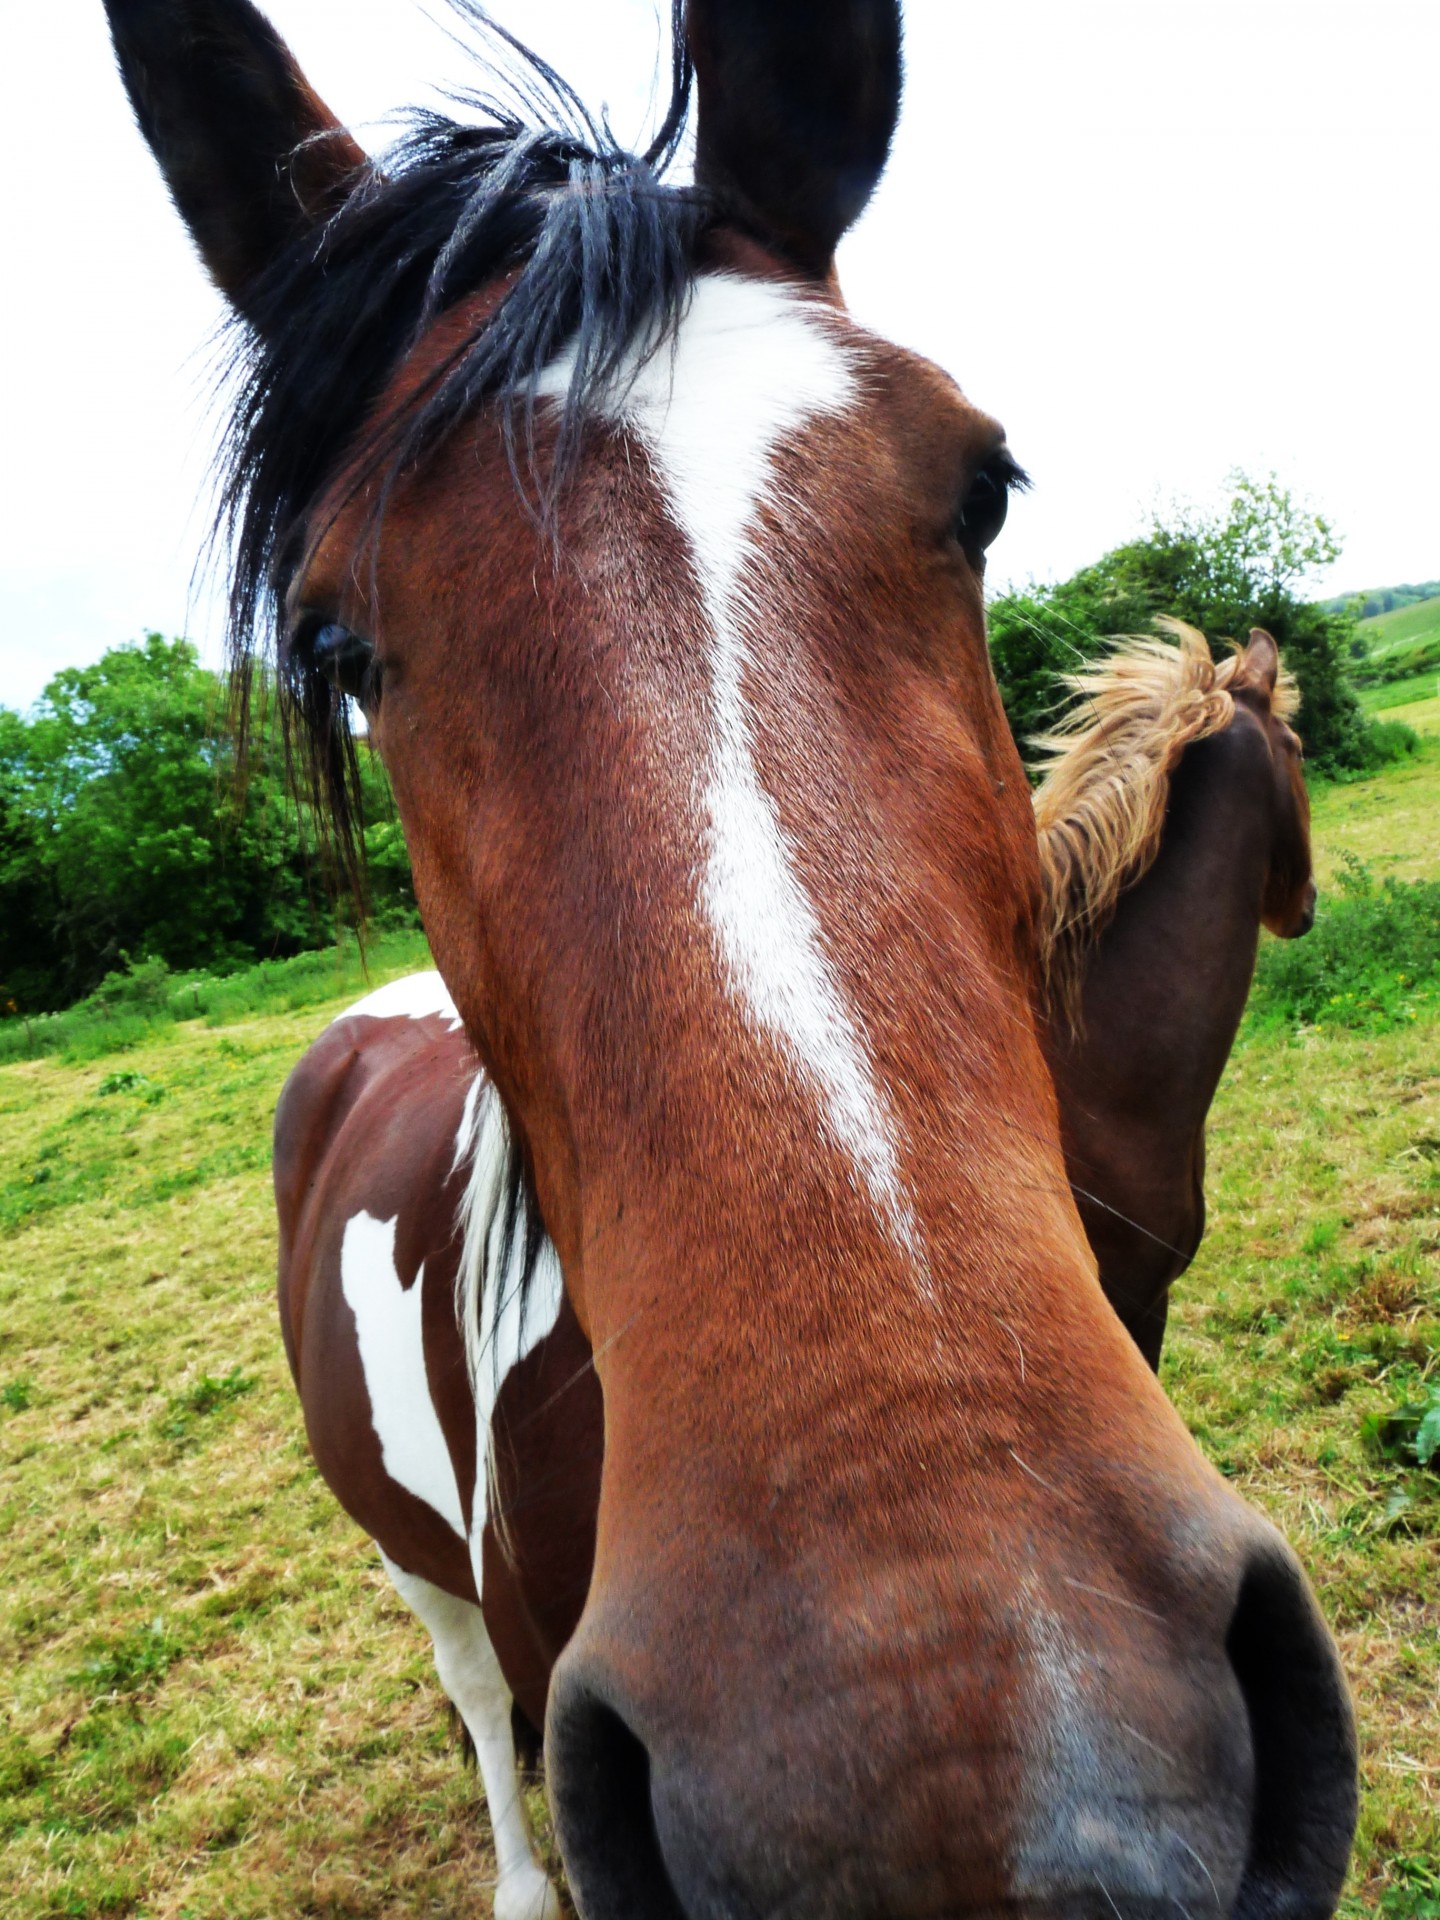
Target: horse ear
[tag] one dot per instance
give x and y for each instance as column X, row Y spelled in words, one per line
column 252, row 157
column 1260, row 662
column 798, row 101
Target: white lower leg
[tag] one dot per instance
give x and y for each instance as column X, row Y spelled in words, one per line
column 470, row 1674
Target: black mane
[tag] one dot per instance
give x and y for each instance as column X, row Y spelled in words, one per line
column 604, row 256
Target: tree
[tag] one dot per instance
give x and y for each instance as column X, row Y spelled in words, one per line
column 1225, row 573
column 127, row 828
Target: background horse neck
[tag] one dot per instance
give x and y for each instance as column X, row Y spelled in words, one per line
column 1162, row 997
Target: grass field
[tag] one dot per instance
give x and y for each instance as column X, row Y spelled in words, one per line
column 1389, row 632
column 215, row 1707
column 1407, row 634
column 1391, row 822
column 1418, row 696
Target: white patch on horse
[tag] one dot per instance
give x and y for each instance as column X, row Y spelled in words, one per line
column 392, row 1354
column 470, row 1674
column 415, row 996
column 752, row 365
column 503, row 1317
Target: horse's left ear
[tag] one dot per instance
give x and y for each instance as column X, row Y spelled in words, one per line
column 798, row 101
column 251, row 155
column 1260, row 662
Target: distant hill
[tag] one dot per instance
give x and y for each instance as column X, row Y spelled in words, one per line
column 1379, row 600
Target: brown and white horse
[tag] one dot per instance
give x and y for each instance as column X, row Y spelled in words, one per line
column 902, row 1591
column 1174, row 824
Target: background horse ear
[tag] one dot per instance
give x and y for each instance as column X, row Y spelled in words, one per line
column 798, row 101
column 251, row 155
column 1260, row 662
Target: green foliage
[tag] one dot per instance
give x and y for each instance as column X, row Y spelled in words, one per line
column 1223, row 574
column 129, row 828
column 1382, row 743
column 1372, row 960
column 126, row 1080
column 1410, row 1431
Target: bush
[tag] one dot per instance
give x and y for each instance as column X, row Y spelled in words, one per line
column 130, row 823
column 1223, row 574
column 1383, row 742
column 1371, row 961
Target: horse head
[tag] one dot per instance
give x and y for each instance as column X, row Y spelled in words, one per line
column 1266, row 696
column 659, row 580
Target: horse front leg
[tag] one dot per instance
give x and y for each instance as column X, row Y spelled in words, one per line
column 470, row 1675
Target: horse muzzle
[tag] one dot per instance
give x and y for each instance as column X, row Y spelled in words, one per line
column 1002, row 1770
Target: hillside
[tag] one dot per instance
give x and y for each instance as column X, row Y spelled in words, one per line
column 1400, row 644
column 216, row 1709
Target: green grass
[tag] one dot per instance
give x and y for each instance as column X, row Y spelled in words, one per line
column 1417, row 690
column 1390, row 820
column 1401, row 644
column 1310, row 1320
column 132, row 1005
column 1389, row 632
column 1371, row 962
column 216, row 1709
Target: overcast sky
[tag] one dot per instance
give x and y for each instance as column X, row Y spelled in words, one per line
column 1159, row 238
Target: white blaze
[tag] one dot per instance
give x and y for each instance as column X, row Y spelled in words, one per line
column 752, row 365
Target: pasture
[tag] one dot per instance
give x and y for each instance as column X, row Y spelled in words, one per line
column 1403, row 632
column 216, row 1707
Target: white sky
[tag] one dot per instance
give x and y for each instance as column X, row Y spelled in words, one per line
column 1160, row 238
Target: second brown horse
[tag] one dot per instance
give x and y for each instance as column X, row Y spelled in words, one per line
column 1174, row 824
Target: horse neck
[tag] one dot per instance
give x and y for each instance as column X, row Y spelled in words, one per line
column 1167, row 980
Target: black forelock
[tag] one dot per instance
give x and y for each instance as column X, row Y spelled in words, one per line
column 603, row 255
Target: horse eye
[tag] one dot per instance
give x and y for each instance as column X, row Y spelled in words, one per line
column 982, row 512
column 343, row 658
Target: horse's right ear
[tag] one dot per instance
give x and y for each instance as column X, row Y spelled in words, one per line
column 1260, row 662
column 252, row 157
column 798, row 101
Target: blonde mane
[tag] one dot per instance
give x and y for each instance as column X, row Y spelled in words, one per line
column 1100, row 809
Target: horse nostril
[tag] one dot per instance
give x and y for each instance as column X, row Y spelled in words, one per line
column 599, row 1775
column 1302, row 1731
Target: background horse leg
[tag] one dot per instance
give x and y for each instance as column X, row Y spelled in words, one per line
column 470, row 1674
column 1149, row 1329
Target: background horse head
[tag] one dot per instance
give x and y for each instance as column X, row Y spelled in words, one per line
column 660, row 582
column 1174, row 823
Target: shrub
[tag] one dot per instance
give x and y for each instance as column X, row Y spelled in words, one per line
column 1382, row 743
column 1372, row 959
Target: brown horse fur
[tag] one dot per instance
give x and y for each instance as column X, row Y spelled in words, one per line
column 1173, row 822
column 909, row 1593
